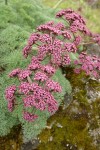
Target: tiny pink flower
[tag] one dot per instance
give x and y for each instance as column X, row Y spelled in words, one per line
column 53, row 86
column 15, row 72
column 29, row 116
column 9, row 93
column 24, row 88
column 24, row 74
column 40, row 76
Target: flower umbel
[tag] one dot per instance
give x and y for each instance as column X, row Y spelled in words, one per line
column 54, row 42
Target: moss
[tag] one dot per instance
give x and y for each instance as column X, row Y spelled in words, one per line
column 12, row 141
column 73, row 131
column 94, row 84
column 45, row 136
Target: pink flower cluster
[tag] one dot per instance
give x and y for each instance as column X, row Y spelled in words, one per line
column 53, row 86
column 54, row 43
column 42, row 51
column 89, row 64
column 9, row 94
column 49, row 28
column 29, row 116
column 66, row 34
column 21, row 74
column 24, row 74
column 40, row 99
column 35, row 95
column 35, row 64
column 47, row 43
column 40, row 76
column 70, row 47
column 45, row 38
column 75, row 20
column 26, row 50
column 66, row 60
column 32, row 40
column 15, row 72
column 24, row 88
column 48, row 69
column 77, row 40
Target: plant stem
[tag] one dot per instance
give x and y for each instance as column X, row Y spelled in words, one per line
column 88, row 43
column 6, row 2
column 57, row 4
column 29, row 79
